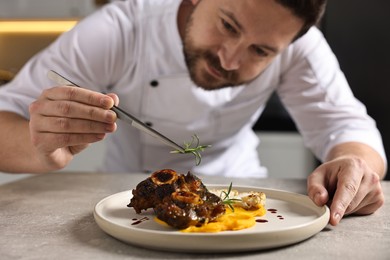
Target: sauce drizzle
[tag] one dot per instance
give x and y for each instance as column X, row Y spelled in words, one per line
column 139, row 221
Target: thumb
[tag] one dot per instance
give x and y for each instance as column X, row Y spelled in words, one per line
column 114, row 97
column 316, row 187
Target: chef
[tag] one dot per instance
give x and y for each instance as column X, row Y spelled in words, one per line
column 195, row 67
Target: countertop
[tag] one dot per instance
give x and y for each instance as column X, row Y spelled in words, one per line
column 50, row 216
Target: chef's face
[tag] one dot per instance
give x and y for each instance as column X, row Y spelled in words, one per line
column 230, row 42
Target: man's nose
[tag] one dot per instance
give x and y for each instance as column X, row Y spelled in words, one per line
column 231, row 55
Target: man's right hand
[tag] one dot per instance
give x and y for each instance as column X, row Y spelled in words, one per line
column 64, row 120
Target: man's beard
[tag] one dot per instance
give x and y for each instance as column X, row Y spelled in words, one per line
column 193, row 57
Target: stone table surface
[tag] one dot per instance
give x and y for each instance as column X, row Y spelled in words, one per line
column 50, row 216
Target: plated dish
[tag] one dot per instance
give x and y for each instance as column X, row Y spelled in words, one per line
column 290, row 218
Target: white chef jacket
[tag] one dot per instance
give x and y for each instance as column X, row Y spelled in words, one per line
column 133, row 49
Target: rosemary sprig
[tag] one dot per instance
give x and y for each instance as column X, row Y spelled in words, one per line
column 193, row 147
column 226, row 199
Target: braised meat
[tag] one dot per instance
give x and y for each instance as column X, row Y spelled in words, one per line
column 177, row 199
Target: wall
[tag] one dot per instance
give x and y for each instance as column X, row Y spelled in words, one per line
column 45, row 8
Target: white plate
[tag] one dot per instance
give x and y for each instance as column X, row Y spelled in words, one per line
column 296, row 219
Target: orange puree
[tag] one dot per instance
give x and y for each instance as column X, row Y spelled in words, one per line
column 237, row 220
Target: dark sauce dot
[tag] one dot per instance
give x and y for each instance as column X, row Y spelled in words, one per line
column 261, row 220
column 273, row 211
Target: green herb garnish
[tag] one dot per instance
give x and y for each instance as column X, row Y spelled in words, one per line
column 193, row 147
column 226, row 200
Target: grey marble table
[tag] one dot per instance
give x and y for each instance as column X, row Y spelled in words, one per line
column 50, row 216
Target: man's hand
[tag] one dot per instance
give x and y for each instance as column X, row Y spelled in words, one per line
column 348, row 184
column 65, row 120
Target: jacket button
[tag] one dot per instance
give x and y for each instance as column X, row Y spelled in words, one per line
column 154, row 83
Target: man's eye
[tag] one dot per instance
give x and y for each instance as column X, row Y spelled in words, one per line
column 228, row 27
column 259, row 51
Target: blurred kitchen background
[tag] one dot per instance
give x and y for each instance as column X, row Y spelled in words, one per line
column 357, row 30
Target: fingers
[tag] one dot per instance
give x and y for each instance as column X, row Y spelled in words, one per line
column 52, row 113
column 358, row 192
column 348, row 186
column 317, row 187
column 70, row 117
column 71, row 109
column 368, row 205
column 79, row 95
column 369, row 197
column 370, row 208
column 68, row 125
column 74, row 102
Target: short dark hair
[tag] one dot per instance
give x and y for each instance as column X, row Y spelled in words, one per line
column 310, row 11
